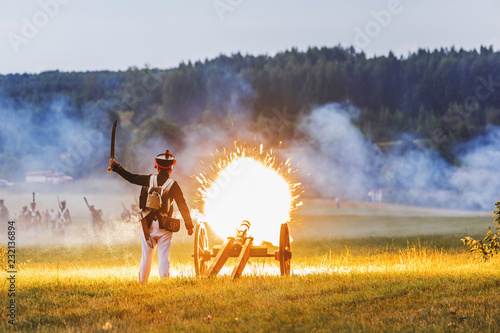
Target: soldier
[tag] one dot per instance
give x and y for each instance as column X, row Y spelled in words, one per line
column 4, row 212
column 152, row 219
column 126, row 214
column 53, row 220
column 4, row 218
column 134, row 209
column 97, row 221
column 35, row 217
column 46, row 220
column 24, row 218
column 64, row 219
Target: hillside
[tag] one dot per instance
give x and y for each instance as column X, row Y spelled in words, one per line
column 441, row 104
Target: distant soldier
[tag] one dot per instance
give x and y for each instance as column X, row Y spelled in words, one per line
column 4, row 212
column 134, row 209
column 53, row 220
column 24, row 218
column 35, row 217
column 96, row 216
column 46, row 220
column 4, row 218
column 126, row 214
column 97, row 221
column 64, row 219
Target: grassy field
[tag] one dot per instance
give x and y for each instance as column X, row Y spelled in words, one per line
column 357, row 269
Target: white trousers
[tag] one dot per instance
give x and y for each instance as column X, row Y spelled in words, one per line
column 161, row 240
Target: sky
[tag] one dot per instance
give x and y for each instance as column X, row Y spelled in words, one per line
column 78, row 35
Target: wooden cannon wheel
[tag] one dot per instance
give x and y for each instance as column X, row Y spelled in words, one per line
column 285, row 252
column 200, row 249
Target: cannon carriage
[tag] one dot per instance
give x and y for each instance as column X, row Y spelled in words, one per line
column 208, row 262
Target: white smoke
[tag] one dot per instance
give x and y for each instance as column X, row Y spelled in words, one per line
column 51, row 136
column 478, row 178
column 341, row 162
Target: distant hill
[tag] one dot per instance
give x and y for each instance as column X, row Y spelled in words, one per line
column 430, row 94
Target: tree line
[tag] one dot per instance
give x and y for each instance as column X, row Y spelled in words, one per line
column 442, row 93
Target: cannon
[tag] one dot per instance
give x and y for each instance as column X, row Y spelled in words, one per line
column 208, row 262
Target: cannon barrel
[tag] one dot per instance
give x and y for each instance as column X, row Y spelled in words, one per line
column 241, row 235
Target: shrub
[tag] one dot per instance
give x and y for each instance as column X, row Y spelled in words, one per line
column 490, row 244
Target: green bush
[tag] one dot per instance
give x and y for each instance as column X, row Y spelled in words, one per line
column 490, row 244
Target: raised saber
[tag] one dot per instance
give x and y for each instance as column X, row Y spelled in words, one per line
column 86, row 202
column 112, row 155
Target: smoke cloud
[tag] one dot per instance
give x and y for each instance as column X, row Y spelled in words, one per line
column 55, row 136
column 342, row 162
column 335, row 158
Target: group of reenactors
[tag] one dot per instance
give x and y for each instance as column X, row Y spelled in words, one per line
column 32, row 220
column 57, row 221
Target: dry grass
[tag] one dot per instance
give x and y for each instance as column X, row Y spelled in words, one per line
column 376, row 284
column 388, row 283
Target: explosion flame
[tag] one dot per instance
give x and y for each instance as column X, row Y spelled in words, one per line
column 249, row 183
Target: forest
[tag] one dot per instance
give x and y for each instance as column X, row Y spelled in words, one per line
column 444, row 97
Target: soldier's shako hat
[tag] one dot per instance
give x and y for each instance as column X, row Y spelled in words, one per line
column 165, row 161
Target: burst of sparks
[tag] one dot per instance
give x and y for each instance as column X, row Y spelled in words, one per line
column 251, row 183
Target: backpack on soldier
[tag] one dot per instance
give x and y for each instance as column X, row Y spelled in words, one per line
column 155, row 193
column 158, row 209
